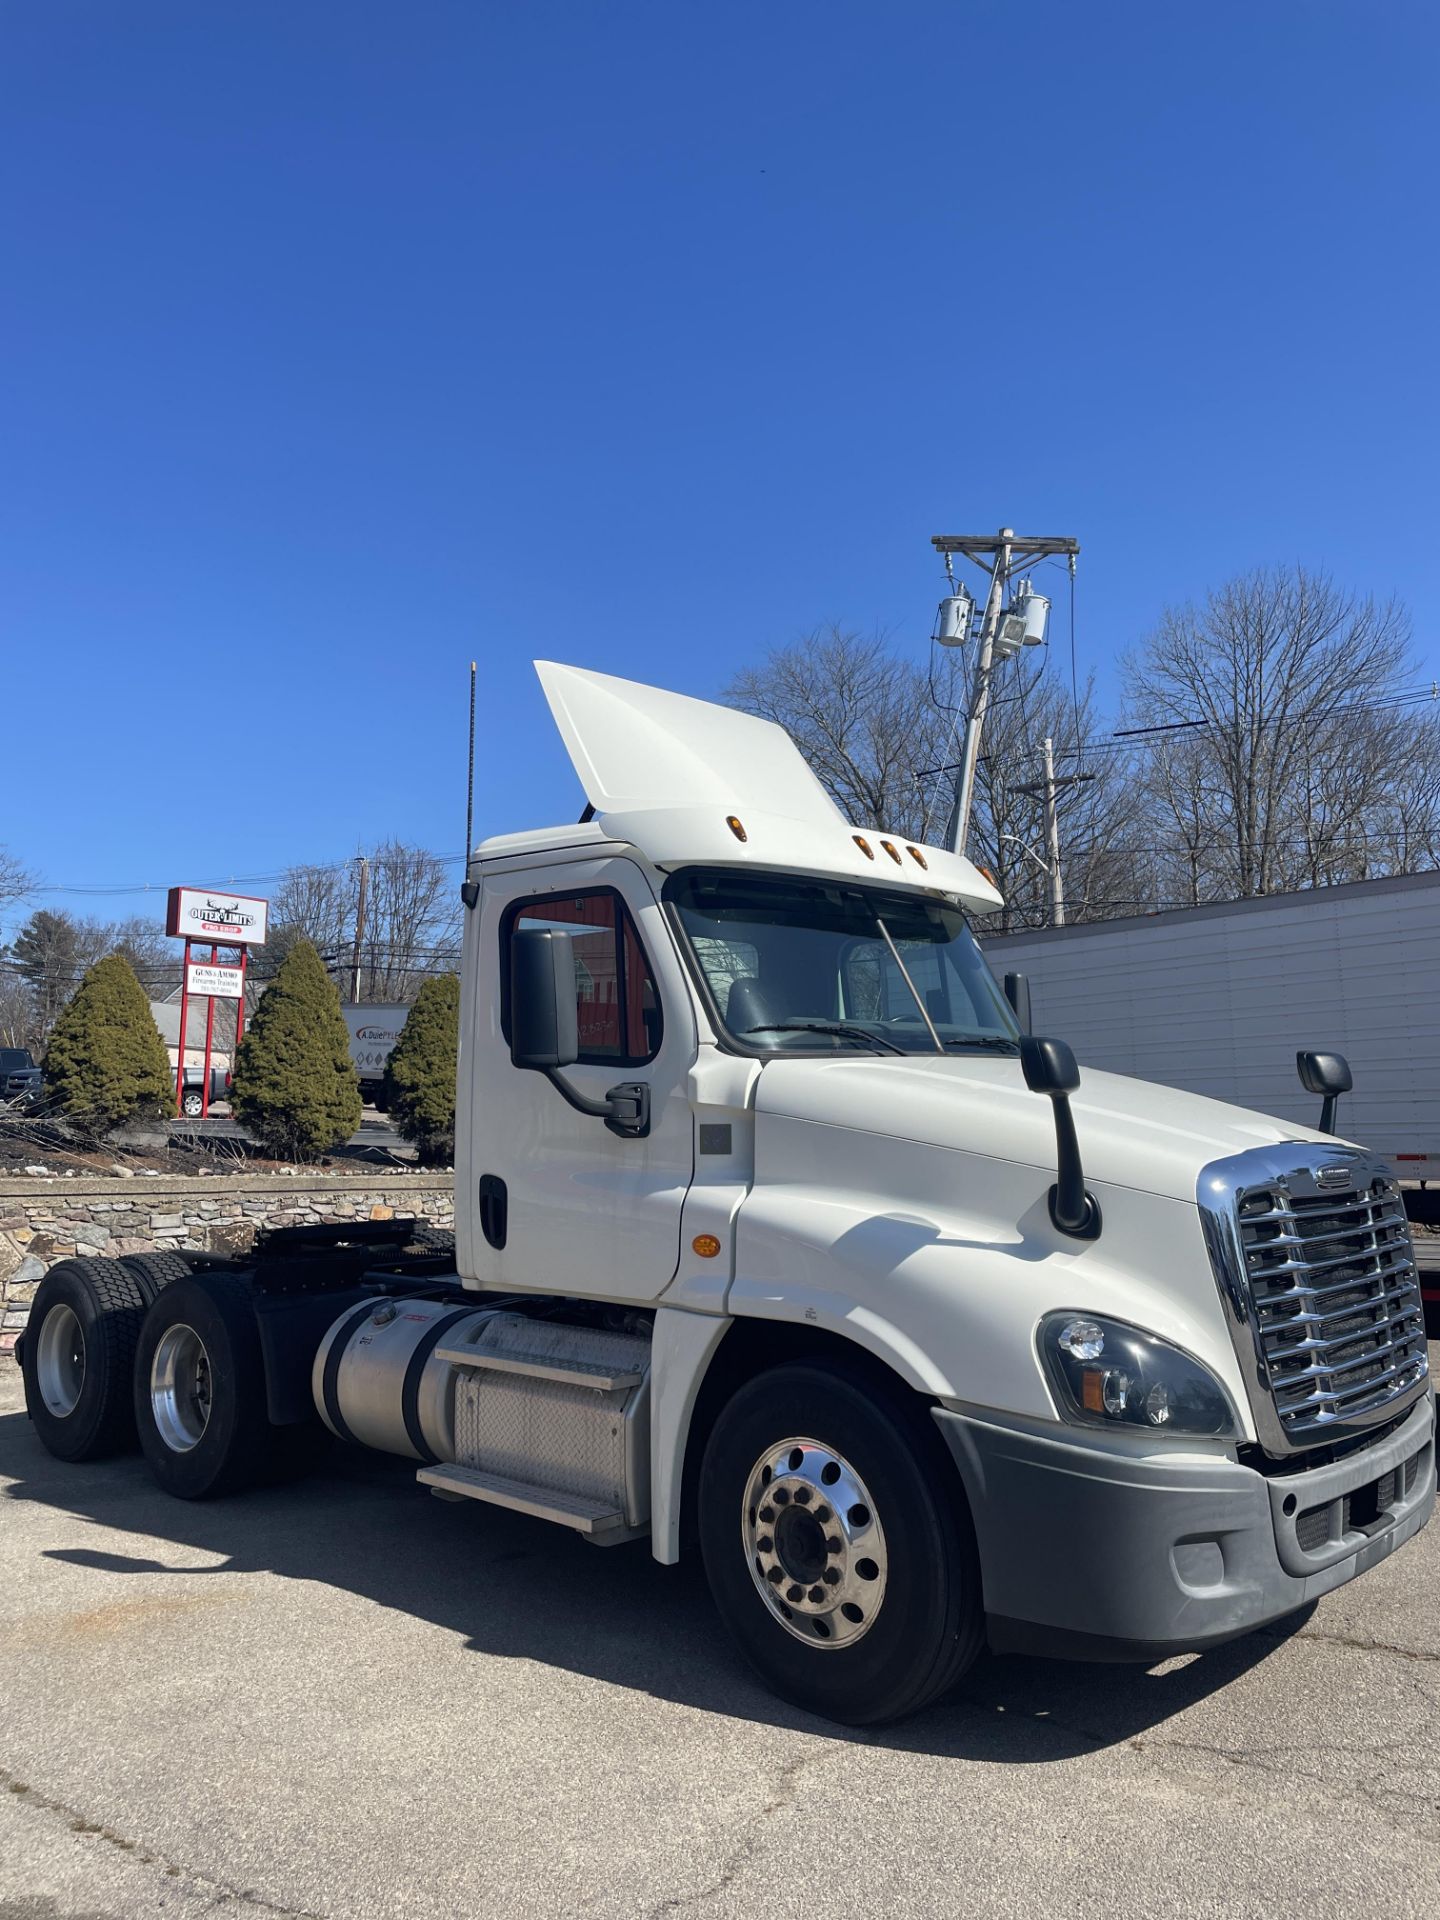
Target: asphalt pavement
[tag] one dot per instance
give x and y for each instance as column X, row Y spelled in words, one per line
column 348, row 1699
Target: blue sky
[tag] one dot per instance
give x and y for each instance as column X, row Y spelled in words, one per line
column 345, row 342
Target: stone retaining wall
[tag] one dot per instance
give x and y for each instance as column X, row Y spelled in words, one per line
column 42, row 1221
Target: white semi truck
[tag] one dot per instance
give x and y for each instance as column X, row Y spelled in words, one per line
column 776, row 1233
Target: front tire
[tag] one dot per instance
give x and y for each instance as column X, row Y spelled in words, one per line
column 78, row 1356
column 837, row 1544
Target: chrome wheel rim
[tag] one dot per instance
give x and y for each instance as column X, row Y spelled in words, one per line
column 814, row 1543
column 60, row 1360
column 180, row 1388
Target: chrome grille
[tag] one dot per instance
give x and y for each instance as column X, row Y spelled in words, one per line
column 1338, row 1323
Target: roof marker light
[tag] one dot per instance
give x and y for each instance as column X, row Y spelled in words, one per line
column 916, row 855
column 863, row 844
column 985, row 874
column 735, row 827
column 889, row 846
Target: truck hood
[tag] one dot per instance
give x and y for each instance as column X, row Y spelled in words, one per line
column 1132, row 1133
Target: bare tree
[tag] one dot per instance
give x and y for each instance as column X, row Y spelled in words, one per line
column 1288, row 764
column 883, row 736
column 314, row 903
column 15, row 882
column 864, row 718
column 412, row 927
column 18, row 1026
column 144, row 943
column 412, row 922
column 1007, row 833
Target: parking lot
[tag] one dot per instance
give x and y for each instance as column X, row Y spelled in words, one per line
column 347, row 1699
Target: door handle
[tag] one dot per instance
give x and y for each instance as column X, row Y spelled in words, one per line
column 494, row 1209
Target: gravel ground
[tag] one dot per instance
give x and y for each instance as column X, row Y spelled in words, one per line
column 346, row 1699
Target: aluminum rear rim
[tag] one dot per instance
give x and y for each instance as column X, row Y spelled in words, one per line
column 60, row 1360
column 814, row 1543
column 180, row 1388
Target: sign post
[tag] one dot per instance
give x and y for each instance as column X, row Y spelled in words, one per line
column 223, row 920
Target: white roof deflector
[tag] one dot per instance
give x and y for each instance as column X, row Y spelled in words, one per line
column 667, row 773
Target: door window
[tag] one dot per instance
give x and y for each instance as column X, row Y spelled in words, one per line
column 616, row 1003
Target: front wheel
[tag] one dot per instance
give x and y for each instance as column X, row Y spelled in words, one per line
column 837, row 1545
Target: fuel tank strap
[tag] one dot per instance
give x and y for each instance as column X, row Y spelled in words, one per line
column 410, row 1391
column 334, row 1358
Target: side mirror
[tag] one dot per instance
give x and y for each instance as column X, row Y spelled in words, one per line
column 544, row 1029
column 1329, row 1075
column 1017, row 992
column 1049, row 1068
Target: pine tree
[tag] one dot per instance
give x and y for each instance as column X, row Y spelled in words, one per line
column 106, row 1062
column 295, row 1088
column 420, row 1074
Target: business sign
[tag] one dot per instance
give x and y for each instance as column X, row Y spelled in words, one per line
column 223, row 919
column 218, row 983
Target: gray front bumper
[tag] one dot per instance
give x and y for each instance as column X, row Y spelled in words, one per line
column 1099, row 1556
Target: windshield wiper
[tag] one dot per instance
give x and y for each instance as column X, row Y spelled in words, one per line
column 988, row 1043
column 838, row 1027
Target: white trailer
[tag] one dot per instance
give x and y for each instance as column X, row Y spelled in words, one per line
column 775, row 1233
column 1220, row 999
column 374, row 1029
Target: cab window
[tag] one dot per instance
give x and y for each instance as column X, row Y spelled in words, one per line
column 617, row 1005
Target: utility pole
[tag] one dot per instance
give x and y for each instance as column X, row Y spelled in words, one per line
column 1047, row 789
column 1052, row 839
column 359, row 931
column 1000, row 555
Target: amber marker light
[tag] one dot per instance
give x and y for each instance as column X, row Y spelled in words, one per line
column 863, row 844
column 985, row 874
column 706, row 1245
column 735, row 827
column 916, row 855
column 889, row 846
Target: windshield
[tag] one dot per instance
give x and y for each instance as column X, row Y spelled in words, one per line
column 819, row 965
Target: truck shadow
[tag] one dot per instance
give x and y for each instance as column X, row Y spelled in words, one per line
column 518, row 1588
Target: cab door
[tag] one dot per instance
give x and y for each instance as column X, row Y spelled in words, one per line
column 562, row 1204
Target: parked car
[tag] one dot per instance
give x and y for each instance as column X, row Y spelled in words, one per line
column 191, row 1102
column 19, row 1075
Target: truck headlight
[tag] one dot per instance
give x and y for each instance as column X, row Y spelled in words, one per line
column 1108, row 1374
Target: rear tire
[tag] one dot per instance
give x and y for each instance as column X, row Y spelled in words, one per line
column 862, row 1613
column 199, row 1388
column 153, row 1271
column 191, row 1106
column 78, row 1358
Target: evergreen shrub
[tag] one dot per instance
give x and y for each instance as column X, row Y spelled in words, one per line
column 106, row 1062
column 420, row 1074
column 295, row 1087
